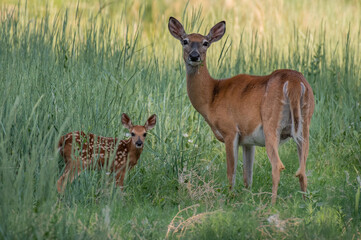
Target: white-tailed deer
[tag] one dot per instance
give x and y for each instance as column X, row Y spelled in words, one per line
column 248, row 110
column 83, row 151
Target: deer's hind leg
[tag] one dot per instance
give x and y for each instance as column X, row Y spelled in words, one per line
column 302, row 149
column 272, row 112
column 61, row 183
column 72, row 170
column 277, row 165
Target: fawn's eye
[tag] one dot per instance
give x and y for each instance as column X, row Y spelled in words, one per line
column 145, row 134
column 206, row 44
column 185, row 41
column 133, row 134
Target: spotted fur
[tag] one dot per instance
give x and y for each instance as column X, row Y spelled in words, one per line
column 94, row 151
column 88, row 151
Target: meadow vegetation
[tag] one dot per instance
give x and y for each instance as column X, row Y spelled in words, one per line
column 68, row 66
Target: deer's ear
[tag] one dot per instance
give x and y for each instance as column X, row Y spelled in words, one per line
column 176, row 28
column 150, row 123
column 126, row 121
column 217, row 32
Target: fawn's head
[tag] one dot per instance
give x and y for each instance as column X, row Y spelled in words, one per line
column 138, row 132
column 195, row 45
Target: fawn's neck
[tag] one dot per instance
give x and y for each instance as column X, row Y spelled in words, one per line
column 134, row 153
column 200, row 87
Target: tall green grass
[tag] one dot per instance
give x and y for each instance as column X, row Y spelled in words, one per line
column 70, row 70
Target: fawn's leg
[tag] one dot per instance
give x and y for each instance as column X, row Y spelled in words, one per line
column 72, row 169
column 120, row 177
column 63, row 178
column 76, row 170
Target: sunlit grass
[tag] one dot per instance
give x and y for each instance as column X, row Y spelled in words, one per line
column 65, row 67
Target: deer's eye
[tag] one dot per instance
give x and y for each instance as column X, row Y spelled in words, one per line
column 145, row 134
column 206, row 44
column 185, row 41
column 133, row 134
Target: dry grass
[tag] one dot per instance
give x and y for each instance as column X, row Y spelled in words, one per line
column 198, row 189
column 185, row 219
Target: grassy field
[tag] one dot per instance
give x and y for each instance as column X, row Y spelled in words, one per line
column 79, row 66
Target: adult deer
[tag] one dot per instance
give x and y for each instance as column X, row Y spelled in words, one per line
column 248, row 110
column 83, row 151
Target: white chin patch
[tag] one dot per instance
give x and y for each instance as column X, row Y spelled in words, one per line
column 194, row 64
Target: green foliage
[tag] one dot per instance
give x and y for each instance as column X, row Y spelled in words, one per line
column 63, row 71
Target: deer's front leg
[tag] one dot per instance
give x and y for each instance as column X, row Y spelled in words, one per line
column 232, row 158
column 248, row 159
column 120, row 177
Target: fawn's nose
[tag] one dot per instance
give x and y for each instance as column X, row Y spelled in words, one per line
column 194, row 56
column 138, row 143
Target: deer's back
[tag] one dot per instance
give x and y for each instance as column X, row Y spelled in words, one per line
column 89, row 147
column 242, row 97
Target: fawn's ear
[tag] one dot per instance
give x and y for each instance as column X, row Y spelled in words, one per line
column 126, row 121
column 176, row 28
column 217, row 32
column 150, row 123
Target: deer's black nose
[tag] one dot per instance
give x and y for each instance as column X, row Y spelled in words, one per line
column 138, row 143
column 194, row 56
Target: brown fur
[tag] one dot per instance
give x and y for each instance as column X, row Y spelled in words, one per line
column 235, row 107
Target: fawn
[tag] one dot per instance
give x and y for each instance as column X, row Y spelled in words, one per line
column 248, row 110
column 83, row 151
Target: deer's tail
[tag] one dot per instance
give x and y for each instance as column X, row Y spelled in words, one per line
column 294, row 92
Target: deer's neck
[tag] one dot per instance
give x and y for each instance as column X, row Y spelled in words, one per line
column 134, row 153
column 200, row 86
